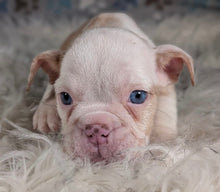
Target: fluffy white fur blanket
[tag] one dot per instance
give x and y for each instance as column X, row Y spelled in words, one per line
column 32, row 162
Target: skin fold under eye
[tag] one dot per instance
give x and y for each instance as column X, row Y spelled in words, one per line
column 66, row 98
column 138, row 96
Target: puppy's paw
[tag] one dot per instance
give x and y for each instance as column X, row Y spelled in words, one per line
column 46, row 118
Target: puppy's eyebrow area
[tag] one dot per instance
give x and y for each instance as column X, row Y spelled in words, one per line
column 137, row 83
column 139, row 87
column 68, row 84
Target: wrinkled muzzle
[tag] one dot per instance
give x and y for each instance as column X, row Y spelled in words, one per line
column 99, row 135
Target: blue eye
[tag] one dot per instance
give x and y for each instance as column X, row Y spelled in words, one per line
column 65, row 98
column 138, row 97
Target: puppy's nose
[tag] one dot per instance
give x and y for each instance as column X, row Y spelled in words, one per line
column 97, row 133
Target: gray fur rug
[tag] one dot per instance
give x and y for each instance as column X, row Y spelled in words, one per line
column 32, row 162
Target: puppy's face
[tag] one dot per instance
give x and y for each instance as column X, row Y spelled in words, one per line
column 106, row 94
column 107, row 86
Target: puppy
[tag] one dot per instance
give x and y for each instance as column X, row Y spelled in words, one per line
column 110, row 88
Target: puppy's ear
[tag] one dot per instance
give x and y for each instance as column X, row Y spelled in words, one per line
column 50, row 62
column 170, row 60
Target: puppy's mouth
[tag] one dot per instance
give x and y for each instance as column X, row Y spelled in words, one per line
column 104, row 153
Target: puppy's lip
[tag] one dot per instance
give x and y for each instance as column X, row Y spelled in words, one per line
column 100, row 156
column 111, row 157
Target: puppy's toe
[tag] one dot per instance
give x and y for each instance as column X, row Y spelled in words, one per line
column 35, row 120
column 53, row 121
column 46, row 118
column 42, row 124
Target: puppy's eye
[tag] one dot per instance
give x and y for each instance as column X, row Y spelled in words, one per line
column 65, row 98
column 138, row 97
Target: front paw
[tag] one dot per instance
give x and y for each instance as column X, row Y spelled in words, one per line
column 46, row 118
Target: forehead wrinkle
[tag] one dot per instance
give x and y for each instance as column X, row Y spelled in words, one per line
column 68, row 83
column 98, row 59
column 91, row 55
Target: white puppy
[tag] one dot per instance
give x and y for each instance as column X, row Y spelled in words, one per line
column 110, row 88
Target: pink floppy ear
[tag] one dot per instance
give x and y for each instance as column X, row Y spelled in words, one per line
column 170, row 60
column 49, row 61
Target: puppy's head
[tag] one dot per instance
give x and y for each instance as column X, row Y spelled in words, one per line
column 106, row 90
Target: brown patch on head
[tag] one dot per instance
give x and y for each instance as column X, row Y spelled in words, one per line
column 100, row 21
column 105, row 20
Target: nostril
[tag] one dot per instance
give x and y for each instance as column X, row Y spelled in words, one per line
column 97, row 133
column 105, row 135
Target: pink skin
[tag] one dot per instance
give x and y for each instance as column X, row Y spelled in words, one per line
column 97, row 133
column 98, row 127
